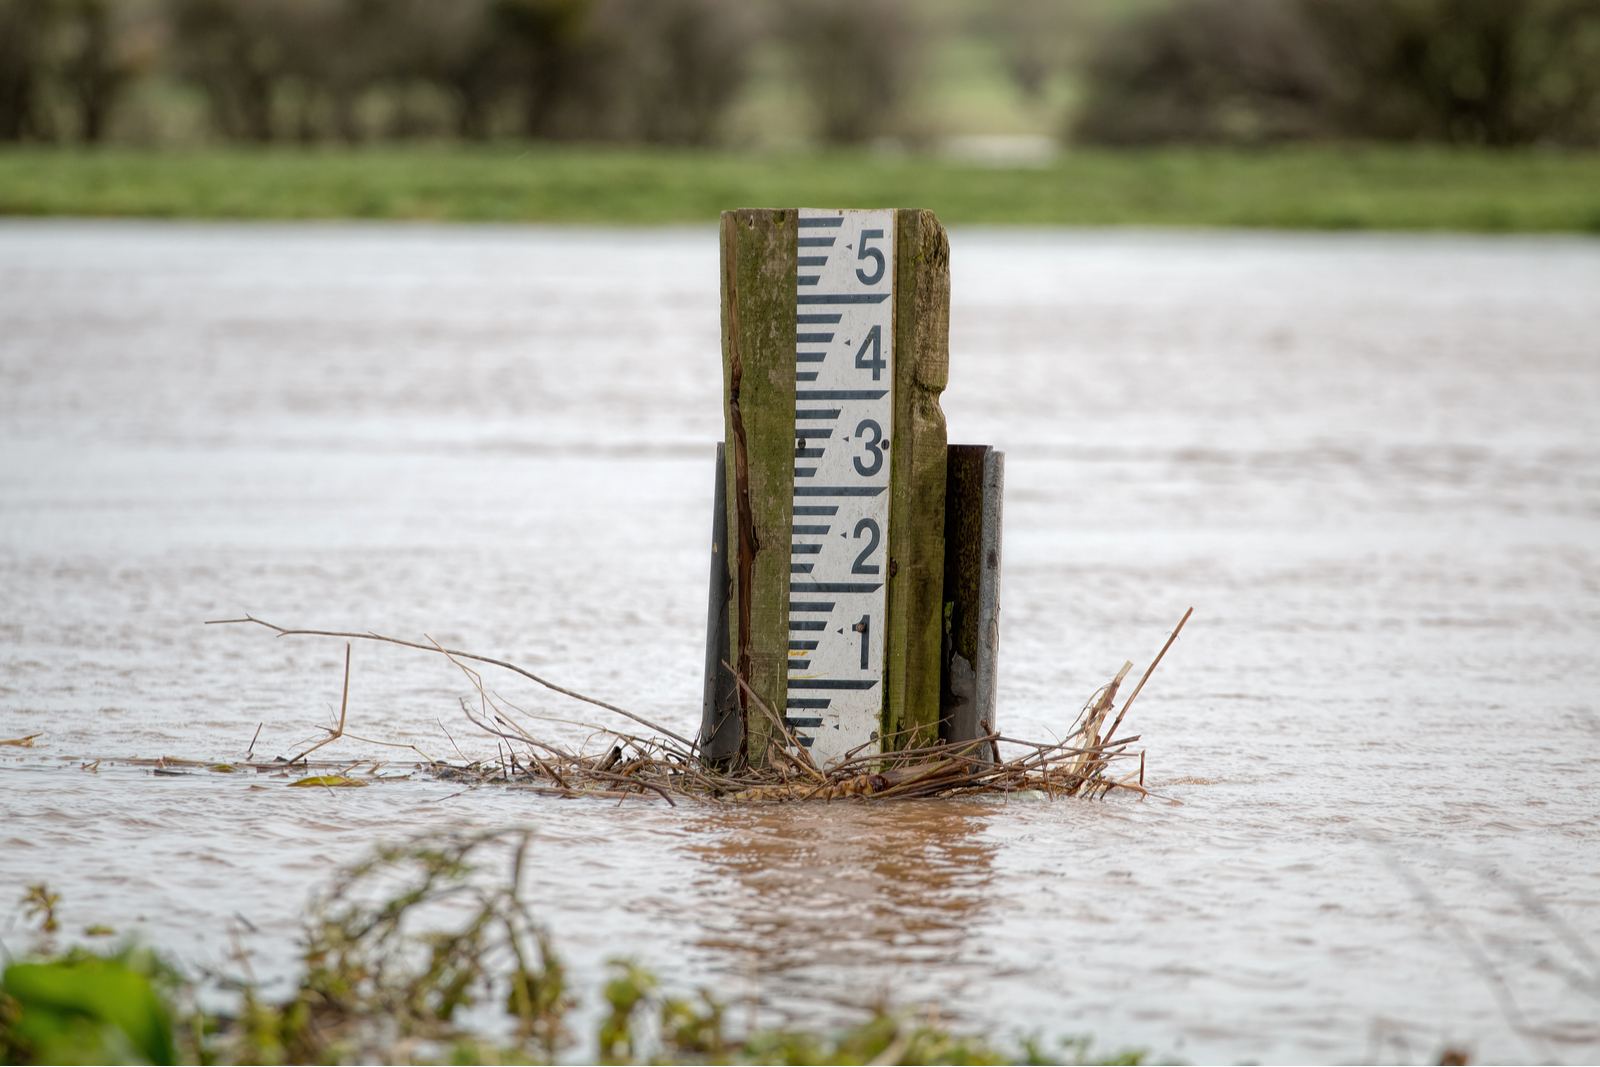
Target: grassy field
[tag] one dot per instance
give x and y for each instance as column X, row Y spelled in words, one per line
column 1321, row 189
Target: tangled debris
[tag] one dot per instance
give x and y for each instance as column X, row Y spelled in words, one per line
column 1090, row 761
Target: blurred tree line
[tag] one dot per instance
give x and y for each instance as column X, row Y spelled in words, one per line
column 1488, row 72
column 1497, row 72
column 653, row 71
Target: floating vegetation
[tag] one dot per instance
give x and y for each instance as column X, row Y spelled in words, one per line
column 326, row 781
column 1090, row 761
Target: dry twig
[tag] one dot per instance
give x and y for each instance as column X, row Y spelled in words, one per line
column 669, row 766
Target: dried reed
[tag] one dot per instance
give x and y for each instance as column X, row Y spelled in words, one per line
column 1087, row 762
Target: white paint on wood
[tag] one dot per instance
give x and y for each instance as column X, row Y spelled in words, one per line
column 844, row 409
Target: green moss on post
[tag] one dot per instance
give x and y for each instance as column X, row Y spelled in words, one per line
column 758, row 345
column 917, row 481
column 758, row 361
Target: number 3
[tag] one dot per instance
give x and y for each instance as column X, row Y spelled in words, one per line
column 874, row 448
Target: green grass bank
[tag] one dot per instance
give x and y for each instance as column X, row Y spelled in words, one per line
column 1329, row 188
column 409, row 956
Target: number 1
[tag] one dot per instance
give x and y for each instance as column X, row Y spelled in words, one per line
column 864, row 627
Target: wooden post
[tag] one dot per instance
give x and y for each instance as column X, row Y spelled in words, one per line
column 917, row 480
column 721, row 724
column 761, row 343
column 758, row 346
column 973, row 490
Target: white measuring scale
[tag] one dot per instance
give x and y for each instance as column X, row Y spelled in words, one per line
column 844, row 428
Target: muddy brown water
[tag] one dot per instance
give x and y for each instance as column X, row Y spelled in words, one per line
column 1371, row 463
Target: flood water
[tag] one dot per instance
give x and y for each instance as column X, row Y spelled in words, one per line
column 1370, row 463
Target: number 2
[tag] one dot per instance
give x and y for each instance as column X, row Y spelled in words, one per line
column 861, row 566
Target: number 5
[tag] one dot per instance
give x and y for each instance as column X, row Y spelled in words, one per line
column 863, row 252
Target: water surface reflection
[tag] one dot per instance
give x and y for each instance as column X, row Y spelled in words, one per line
column 884, row 887
column 1368, row 461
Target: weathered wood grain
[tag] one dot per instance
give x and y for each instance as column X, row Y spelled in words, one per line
column 917, row 471
column 758, row 347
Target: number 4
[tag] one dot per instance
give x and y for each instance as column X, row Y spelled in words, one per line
column 875, row 363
